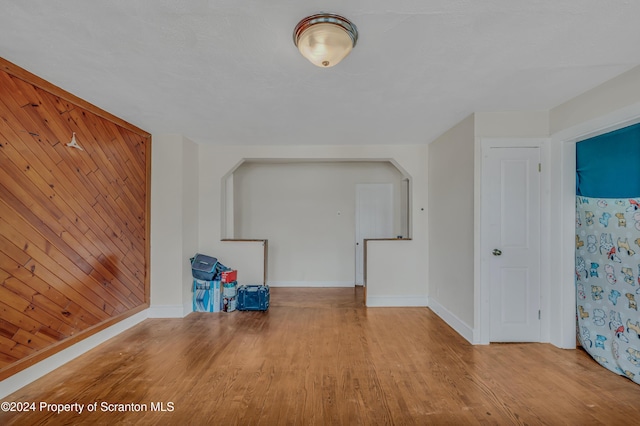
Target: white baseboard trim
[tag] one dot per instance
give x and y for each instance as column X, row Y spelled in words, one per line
column 311, row 283
column 453, row 321
column 28, row 375
column 397, row 301
column 167, row 311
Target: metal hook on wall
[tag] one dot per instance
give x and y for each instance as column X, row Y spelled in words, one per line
column 74, row 142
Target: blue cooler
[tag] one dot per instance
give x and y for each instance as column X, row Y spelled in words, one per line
column 253, row 298
column 203, row 267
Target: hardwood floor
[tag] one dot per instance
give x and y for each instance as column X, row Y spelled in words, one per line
column 319, row 357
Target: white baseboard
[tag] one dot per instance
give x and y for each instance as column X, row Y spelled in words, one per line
column 397, row 301
column 453, row 321
column 167, row 311
column 28, row 375
column 311, row 283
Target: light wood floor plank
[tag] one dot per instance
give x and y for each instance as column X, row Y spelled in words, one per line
column 318, row 357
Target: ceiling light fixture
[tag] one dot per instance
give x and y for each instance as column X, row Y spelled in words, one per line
column 325, row 38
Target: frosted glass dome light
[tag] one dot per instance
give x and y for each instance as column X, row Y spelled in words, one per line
column 325, row 39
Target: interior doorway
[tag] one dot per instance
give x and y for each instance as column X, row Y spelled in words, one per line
column 512, row 242
column 306, row 209
column 515, row 174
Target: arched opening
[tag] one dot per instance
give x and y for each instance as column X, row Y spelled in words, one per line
column 307, row 211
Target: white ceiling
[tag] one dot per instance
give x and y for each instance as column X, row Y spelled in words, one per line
column 227, row 72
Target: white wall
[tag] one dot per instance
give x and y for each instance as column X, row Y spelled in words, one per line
column 613, row 100
column 216, row 161
column 190, row 221
column 512, row 124
column 307, row 212
column 174, row 222
column 451, row 225
column 166, row 222
column 387, row 264
column 246, row 257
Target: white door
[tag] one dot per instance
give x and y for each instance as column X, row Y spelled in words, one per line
column 512, row 214
column 374, row 218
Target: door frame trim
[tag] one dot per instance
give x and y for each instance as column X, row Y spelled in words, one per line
column 482, row 283
column 562, row 147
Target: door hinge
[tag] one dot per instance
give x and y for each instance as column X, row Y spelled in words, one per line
column 538, row 314
column 539, row 167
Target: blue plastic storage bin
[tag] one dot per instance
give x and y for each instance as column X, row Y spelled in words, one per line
column 253, row 298
column 207, row 296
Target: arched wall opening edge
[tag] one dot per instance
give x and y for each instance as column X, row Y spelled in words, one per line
column 226, row 187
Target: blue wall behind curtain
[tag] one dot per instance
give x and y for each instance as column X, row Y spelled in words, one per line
column 608, row 166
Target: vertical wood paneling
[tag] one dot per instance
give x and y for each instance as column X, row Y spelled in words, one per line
column 74, row 231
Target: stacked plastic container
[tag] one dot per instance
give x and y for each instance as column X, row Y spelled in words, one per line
column 229, row 284
column 214, row 285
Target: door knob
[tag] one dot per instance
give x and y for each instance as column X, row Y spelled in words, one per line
column 496, row 252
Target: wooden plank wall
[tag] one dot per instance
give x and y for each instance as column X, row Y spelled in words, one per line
column 74, row 224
